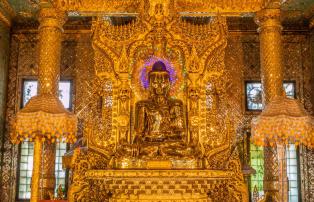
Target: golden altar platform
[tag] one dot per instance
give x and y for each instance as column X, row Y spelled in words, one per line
column 159, row 185
column 94, row 180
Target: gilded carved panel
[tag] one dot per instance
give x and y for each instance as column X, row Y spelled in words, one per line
column 9, row 151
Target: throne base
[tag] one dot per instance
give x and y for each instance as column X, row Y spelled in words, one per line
column 161, row 185
column 135, row 163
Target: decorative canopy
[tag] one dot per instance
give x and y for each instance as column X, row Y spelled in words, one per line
column 283, row 121
column 44, row 116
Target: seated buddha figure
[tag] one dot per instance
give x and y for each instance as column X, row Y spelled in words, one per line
column 159, row 121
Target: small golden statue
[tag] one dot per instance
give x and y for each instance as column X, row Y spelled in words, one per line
column 60, row 193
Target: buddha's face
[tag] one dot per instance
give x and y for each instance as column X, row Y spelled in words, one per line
column 159, row 83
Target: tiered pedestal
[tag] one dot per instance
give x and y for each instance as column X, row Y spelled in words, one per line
column 161, row 185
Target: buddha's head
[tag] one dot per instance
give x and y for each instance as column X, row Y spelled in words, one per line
column 159, row 79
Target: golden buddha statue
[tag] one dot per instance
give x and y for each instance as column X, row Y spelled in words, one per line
column 159, row 118
column 159, row 139
column 159, row 121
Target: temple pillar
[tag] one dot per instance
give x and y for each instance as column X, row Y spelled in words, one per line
column 275, row 179
column 306, row 160
column 311, row 27
column 50, row 36
column 4, row 63
column 5, row 25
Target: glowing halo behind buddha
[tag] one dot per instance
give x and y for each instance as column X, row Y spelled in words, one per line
column 140, row 82
column 149, row 63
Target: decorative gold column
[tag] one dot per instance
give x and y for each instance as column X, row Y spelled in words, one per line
column 36, row 169
column 5, row 23
column 272, row 77
column 311, row 26
column 270, row 53
column 193, row 94
column 124, row 95
column 50, row 33
column 44, row 118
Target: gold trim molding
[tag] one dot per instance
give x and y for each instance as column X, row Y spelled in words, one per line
column 213, row 174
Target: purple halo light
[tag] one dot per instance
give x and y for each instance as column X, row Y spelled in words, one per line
column 147, row 67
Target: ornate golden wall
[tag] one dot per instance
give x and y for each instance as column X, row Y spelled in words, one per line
column 242, row 58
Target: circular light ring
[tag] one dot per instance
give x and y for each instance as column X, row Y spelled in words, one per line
column 140, row 81
column 147, row 67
